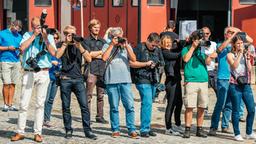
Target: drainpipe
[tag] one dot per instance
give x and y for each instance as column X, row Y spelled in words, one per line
column 82, row 18
column 230, row 13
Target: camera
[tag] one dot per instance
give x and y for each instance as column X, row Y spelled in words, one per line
column 77, row 38
column 199, row 35
column 33, row 63
column 42, row 19
column 121, row 40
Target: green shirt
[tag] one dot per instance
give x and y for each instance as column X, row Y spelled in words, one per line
column 195, row 69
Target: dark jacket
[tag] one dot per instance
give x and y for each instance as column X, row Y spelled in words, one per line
column 172, row 60
column 146, row 75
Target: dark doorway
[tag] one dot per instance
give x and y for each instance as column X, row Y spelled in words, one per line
column 20, row 7
column 213, row 14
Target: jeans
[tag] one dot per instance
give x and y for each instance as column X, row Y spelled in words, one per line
column 174, row 101
column 147, row 93
column 76, row 86
column 51, row 93
column 123, row 91
column 241, row 111
column 239, row 93
column 223, row 104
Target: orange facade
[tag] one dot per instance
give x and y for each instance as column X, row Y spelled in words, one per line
column 244, row 17
column 51, row 19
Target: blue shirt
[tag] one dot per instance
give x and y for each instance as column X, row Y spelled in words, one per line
column 223, row 66
column 118, row 71
column 54, row 68
column 34, row 49
column 8, row 38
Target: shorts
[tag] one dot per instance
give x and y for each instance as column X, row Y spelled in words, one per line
column 196, row 95
column 11, row 72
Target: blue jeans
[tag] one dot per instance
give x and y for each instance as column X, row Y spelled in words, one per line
column 76, row 86
column 51, row 93
column 123, row 91
column 223, row 104
column 241, row 111
column 147, row 93
column 239, row 93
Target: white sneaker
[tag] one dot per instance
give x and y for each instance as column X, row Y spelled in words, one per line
column 239, row 138
column 251, row 136
column 13, row 108
column 5, row 108
column 172, row 132
column 179, row 129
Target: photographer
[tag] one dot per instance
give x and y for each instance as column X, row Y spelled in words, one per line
column 71, row 51
column 195, row 84
column 146, row 71
column 172, row 58
column 37, row 48
column 223, row 103
column 117, row 78
column 240, row 88
column 54, row 73
column 10, row 62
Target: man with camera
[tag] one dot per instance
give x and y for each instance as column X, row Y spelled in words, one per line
column 95, row 70
column 37, row 48
column 223, row 103
column 117, row 78
column 146, row 71
column 10, row 62
column 71, row 51
column 195, row 83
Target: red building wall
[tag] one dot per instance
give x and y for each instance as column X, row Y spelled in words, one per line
column 1, row 14
column 244, row 17
column 51, row 18
column 153, row 19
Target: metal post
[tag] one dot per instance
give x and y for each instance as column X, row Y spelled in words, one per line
column 82, row 18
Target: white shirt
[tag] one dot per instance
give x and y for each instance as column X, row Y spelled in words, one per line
column 208, row 51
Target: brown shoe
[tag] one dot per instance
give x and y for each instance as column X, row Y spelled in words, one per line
column 17, row 137
column 116, row 134
column 38, row 138
column 133, row 135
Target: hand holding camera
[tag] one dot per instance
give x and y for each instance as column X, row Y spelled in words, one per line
column 195, row 44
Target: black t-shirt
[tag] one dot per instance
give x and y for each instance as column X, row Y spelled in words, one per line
column 97, row 66
column 71, row 61
column 145, row 75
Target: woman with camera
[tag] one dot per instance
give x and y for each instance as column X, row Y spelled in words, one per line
column 172, row 58
column 240, row 88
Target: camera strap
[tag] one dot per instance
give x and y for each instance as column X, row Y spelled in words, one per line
column 246, row 72
column 111, row 57
column 200, row 60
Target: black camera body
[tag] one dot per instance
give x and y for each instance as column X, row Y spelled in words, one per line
column 199, row 35
column 42, row 19
column 77, row 38
column 121, row 40
column 33, row 63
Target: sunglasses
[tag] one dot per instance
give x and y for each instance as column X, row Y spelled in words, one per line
column 207, row 33
column 56, row 38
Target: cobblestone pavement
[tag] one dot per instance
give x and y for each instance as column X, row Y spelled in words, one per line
column 55, row 135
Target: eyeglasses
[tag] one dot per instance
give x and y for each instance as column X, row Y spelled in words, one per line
column 56, row 38
column 68, row 34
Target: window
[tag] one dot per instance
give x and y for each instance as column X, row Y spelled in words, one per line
column 43, row 2
column 99, row 3
column 247, row 1
column 135, row 3
column 117, row 3
column 155, row 2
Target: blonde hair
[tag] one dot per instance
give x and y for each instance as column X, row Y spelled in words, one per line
column 69, row 27
column 92, row 23
column 35, row 21
column 163, row 42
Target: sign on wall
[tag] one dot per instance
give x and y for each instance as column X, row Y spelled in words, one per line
column 186, row 27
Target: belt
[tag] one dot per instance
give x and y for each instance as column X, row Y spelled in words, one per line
column 65, row 77
column 31, row 70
